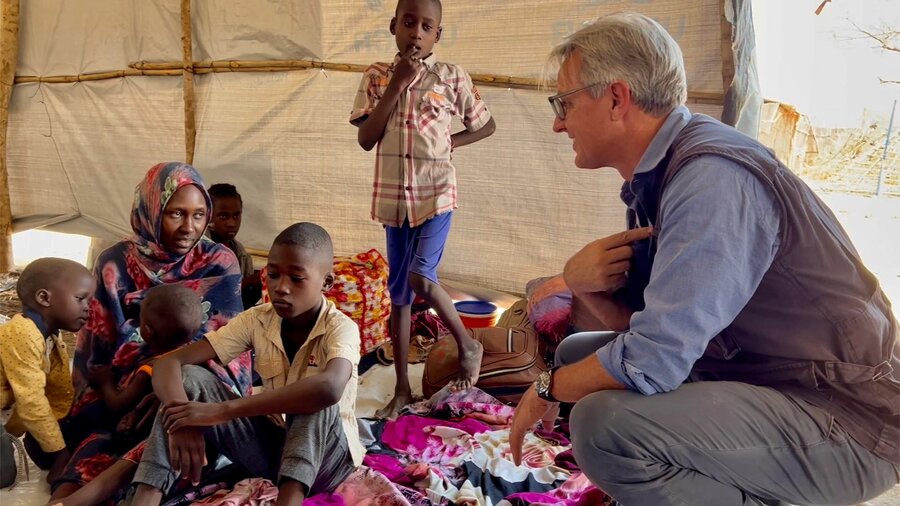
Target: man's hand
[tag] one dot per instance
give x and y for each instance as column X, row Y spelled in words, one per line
column 601, row 265
column 178, row 415
column 187, row 453
column 406, row 69
column 531, row 408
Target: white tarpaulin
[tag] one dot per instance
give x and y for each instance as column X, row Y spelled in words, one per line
column 76, row 150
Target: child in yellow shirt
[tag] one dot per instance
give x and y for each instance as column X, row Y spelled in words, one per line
column 35, row 379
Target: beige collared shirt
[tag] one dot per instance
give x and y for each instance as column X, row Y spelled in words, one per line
column 414, row 177
column 333, row 336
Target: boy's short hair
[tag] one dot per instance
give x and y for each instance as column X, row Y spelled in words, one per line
column 435, row 2
column 176, row 312
column 44, row 273
column 308, row 236
column 224, row 191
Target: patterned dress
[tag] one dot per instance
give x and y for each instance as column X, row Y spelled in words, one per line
column 111, row 336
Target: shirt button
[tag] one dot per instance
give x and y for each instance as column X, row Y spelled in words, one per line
column 409, row 188
column 407, row 155
column 408, row 122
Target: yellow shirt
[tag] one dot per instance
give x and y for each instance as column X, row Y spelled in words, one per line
column 35, row 381
column 333, row 336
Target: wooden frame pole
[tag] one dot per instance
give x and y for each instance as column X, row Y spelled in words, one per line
column 8, row 60
column 187, row 69
column 207, row 67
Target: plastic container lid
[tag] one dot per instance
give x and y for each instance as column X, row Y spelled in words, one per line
column 476, row 307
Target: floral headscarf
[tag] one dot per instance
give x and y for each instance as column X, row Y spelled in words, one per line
column 150, row 199
column 127, row 270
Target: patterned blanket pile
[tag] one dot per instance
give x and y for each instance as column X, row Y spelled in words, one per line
column 450, row 450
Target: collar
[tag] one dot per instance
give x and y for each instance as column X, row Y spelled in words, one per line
column 674, row 124
column 227, row 242
column 272, row 323
column 37, row 319
column 429, row 61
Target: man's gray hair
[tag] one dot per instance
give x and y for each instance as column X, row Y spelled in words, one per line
column 632, row 48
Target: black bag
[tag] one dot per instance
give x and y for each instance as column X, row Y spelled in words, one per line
column 8, row 469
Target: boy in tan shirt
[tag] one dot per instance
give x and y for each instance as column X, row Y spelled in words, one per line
column 300, row 431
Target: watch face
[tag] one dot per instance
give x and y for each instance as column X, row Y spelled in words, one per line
column 543, row 383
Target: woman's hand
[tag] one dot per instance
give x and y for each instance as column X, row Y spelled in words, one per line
column 101, row 375
column 60, row 460
column 178, row 415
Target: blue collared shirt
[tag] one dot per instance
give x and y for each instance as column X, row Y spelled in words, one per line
column 719, row 239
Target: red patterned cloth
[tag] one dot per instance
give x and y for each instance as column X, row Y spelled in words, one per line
column 360, row 292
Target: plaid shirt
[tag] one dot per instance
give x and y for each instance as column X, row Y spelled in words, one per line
column 414, row 178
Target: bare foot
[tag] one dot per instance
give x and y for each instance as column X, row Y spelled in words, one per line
column 400, row 400
column 469, row 365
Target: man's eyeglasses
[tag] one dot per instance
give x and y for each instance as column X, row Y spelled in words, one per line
column 559, row 106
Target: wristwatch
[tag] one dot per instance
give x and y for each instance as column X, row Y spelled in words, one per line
column 544, row 383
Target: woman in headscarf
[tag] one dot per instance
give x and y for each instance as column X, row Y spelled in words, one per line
column 170, row 213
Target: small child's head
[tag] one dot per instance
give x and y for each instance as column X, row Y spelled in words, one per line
column 171, row 315
column 417, row 23
column 299, row 269
column 59, row 290
column 227, row 210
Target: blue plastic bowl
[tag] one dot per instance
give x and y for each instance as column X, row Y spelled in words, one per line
column 476, row 307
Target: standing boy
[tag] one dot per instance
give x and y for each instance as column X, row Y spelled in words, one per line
column 307, row 353
column 228, row 209
column 35, row 379
column 405, row 109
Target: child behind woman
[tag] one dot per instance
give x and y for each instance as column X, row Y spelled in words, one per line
column 170, row 316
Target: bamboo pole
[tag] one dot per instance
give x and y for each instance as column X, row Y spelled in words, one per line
column 97, row 76
column 187, row 69
column 207, row 67
column 8, row 60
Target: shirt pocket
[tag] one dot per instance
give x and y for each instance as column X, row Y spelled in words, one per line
column 269, row 368
column 434, row 110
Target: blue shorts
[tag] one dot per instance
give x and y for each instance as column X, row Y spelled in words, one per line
column 414, row 250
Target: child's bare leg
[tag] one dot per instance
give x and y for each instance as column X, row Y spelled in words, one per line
column 400, row 321
column 290, row 492
column 470, row 350
column 101, row 488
